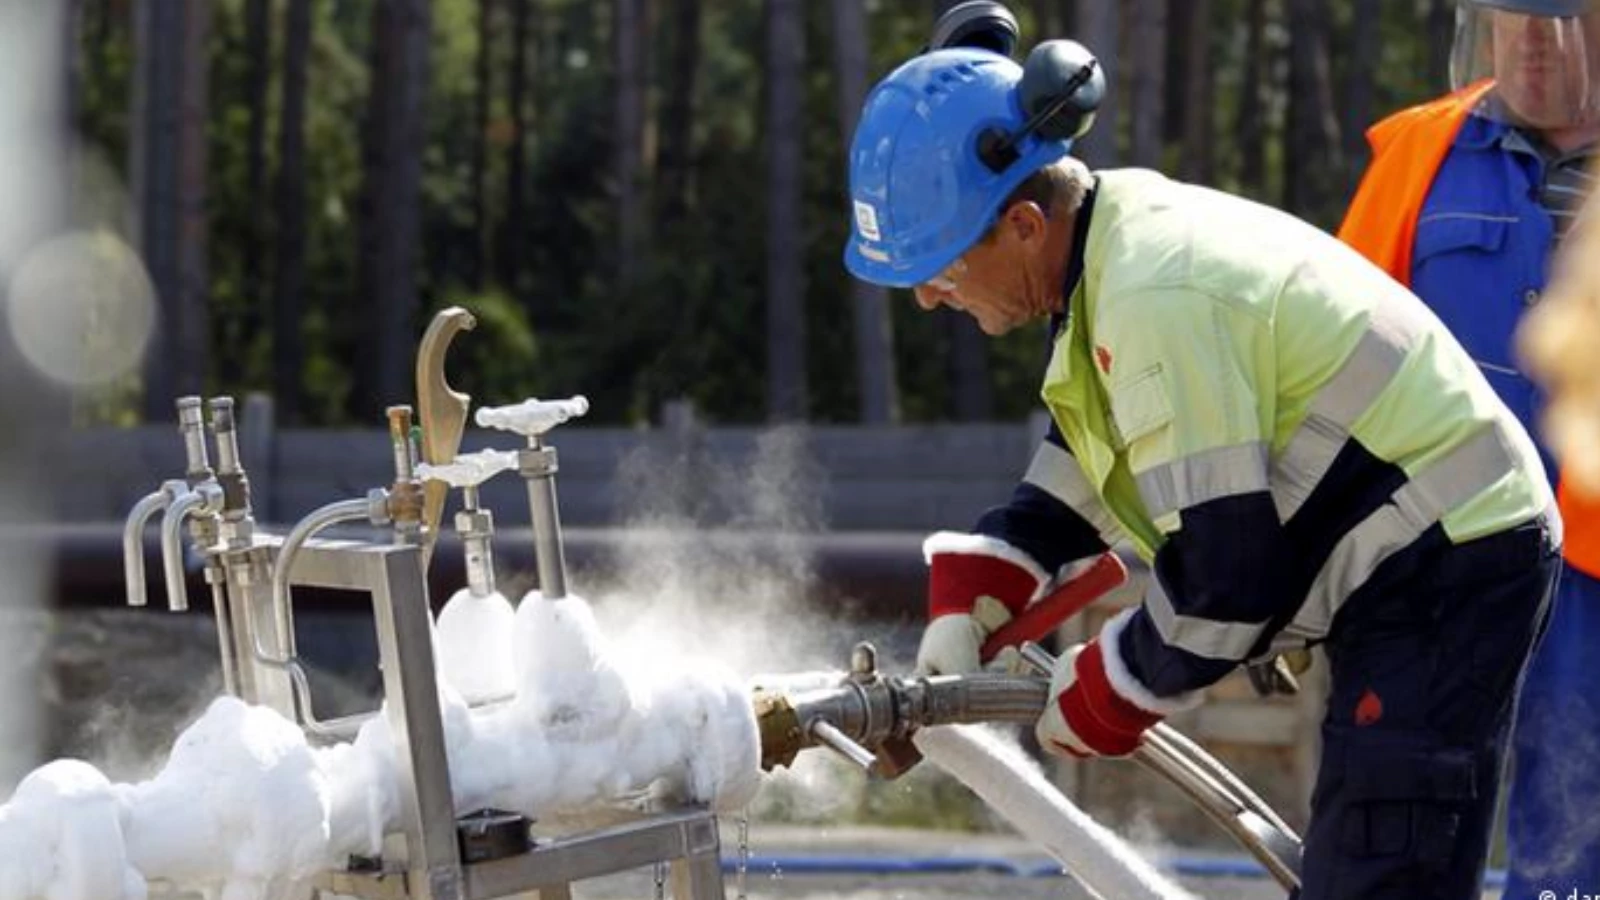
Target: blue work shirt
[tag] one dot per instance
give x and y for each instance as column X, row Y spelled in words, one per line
column 1482, row 253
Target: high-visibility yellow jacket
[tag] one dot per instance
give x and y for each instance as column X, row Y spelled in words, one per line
column 1266, row 417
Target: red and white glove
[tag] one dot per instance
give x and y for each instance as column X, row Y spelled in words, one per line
column 976, row 584
column 1097, row 707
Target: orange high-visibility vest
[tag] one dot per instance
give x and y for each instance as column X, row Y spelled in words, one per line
column 1407, row 150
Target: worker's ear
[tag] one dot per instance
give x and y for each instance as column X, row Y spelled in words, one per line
column 1025, row 220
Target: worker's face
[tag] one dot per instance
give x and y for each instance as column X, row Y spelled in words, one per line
column 1543, row 66
column 991, row 282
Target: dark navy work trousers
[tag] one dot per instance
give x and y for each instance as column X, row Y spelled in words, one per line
column 1425, row 661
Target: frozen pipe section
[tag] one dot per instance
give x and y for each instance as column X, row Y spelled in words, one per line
column 1102, row 863
column 537, row 464
column 474, row 523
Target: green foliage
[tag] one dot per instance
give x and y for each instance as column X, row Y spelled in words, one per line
column 556, row 317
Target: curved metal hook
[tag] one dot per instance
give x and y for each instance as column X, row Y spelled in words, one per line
column 441, row 411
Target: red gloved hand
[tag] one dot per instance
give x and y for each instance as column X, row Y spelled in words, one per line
column 1096, row 706
column 975, row 584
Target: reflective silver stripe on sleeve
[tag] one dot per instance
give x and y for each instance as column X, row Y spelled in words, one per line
column 1054, row 471
column 1337, row 404
column 1202, row 637
column 1207, row 475
column 1416, row 506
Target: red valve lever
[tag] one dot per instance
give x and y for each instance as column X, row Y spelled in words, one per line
column 1066, row 601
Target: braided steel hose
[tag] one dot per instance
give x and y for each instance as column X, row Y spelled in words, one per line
column 869, row 718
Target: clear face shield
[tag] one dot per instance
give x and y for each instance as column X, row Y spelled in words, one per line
column 1544, row 57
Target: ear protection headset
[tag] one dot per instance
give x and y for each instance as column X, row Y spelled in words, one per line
column 1062, row 83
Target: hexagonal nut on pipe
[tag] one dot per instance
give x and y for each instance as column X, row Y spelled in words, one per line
column 782, row 737
column 474, row 522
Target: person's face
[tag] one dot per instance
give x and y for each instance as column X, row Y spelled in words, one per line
column 1542, row 66
column 991, row 282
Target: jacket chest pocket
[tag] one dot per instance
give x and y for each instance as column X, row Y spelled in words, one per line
column 1441, row 233
column 1139, row 406
column 1476, row 283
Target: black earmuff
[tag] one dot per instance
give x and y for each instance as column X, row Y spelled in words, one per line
column 1062, row 83
column 983, row 24
column 1061, row 88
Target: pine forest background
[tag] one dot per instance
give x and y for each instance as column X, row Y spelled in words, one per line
column 642, row 200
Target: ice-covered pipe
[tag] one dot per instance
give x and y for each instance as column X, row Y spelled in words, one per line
column 474, row 524
column 473, row 637
column 1013, row 786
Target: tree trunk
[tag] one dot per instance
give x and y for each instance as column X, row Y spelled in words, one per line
column 1099, row 29
column 193, row 333
column 1198, row 96
column 1312, row 154
column 878, row 395
column 678, row 112
column 258, row 75
column 1252, row 124
column 1148, row 69
column 288, row 359
column 786, row 335
column 169, row 174
column 1366, row 50
column 391, row 209
column 483, row 89
column 516, row 191
column 628, row 132
column 152, row 164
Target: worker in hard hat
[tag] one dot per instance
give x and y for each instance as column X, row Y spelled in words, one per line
column 1466, row 201
column 1299, row 450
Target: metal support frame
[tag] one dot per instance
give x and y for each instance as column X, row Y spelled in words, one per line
column 255, row 623
column 687, row 838
column 433, row 869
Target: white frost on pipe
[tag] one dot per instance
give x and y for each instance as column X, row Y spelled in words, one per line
column 1014, row 786
column 240, row 808
column 244, row 809
column 61, row 837
column 469, row 469
column 532, row 417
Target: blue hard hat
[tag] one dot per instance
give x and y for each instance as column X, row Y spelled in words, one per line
column 921, row 193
